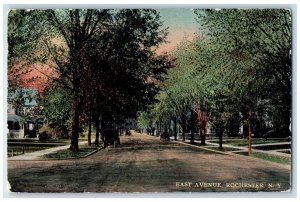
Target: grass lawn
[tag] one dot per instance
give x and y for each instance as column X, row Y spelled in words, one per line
column 269, row 157
column 215, row 147
column 17, row 147
column 18, row 150
column 34, row 140
column 84, row 137
column 66, row 153
column 224, row 149
column 286, row 151
column 273, row 147
column 244, row 142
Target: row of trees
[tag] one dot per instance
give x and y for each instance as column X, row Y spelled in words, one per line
column 104, row 60
column 236, row 71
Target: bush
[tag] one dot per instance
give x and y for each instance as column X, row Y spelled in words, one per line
column 53, row 132
column 45, row 133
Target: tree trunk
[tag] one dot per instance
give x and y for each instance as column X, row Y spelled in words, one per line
column 159, row 129
column 182, row 125
column 183, row 132
column 220, row 130
column 192, row 127
column 75, row 117
column 76, row 99
column 75, row 131
column 202, row 136
column 90, row 132
column 97, row 130
column 175, row 129
column 203, row 131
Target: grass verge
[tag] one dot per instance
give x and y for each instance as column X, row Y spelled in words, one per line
column 223, row 149
column 269, row 157
column 244, row 142
column 19, row 150
column 34, row 140
column 273, row 147
column 68, row 154
column 22, row 146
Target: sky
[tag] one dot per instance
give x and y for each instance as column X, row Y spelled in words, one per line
column 181, row 23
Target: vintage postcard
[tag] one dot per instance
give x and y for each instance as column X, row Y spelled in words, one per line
column 166, row 100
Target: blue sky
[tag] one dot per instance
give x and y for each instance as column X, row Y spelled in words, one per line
column 181, row 22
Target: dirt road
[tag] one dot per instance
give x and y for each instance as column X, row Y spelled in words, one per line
column 146, row 164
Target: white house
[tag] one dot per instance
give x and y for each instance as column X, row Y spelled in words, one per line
column 19, row 104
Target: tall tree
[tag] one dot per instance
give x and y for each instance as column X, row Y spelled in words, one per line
column 77, row 28
column 259, row 42
column 124, row 62
column 111, row 51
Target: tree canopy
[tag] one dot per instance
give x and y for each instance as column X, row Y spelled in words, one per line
column 237, row 70
column 104, row 57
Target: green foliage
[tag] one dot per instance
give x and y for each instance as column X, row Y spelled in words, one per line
column 45, row 133
column 57, row 109
column 126, row 60
column 21, row 37
column 143, row 119
column 239, row 68
column 104, row 57
column 258, row 44
column 255, row 44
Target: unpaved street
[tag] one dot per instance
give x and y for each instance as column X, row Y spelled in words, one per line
column 147, row 164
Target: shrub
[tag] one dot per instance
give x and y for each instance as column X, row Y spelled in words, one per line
column 52, row 132
column 45, row 133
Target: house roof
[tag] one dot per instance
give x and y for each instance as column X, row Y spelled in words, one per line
column 29, row 95
column 13, row 117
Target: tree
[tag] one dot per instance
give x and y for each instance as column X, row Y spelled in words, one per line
column 122, row 64
column 144, row 121
column 22, row 40
column 57, row 108
column 115, row 45
column 188, row 84
column 225, row 75
column 259, row 42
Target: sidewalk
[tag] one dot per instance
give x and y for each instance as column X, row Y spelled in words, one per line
column 240, row 148
column 35, row 155
column 245, row 148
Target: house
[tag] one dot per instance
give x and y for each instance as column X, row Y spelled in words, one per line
column 21, row 120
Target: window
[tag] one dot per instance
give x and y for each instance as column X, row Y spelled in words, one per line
column 10, row 125
column 16, row 125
